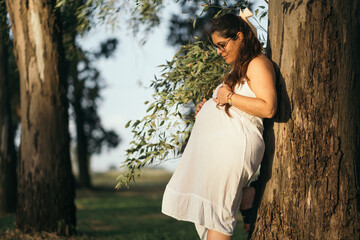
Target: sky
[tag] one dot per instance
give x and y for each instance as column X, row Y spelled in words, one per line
column 127, row 76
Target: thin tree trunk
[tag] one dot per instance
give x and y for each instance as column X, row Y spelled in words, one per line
column 7, row 148
column 82, row 153
column 81, row 139
column 77, row 93
column 312, row 156
column 45, row 184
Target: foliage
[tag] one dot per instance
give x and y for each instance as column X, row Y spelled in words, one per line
column 191, row 76
column 260, row 14
column 146, row 13
column 92, row 12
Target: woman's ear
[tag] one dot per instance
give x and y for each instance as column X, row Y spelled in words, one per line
column 240, row 36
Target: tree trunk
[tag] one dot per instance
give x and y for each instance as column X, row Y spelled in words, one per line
column 311, row 164
column 45, row 184
column 7, row 148
column 82, row 153
column 77, row 90
column 81, row 139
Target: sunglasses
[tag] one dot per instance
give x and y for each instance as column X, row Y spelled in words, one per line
column 221, row 46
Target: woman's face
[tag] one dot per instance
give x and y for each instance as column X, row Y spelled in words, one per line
column 227, row 47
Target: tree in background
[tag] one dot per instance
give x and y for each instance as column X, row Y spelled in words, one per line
column 7, row 147
column 44, row 166
column 45, row 181
column 85, row 84
column 84, row 96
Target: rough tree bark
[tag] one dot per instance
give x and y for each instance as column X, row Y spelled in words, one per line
column 45, row 183
column 313, row 150
column 7, row 148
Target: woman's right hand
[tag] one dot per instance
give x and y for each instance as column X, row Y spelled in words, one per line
column 199, row 106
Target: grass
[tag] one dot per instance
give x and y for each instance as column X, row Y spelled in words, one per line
column 133, row 214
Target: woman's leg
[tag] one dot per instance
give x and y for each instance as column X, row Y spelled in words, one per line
column 247, row 201
column 214, row 235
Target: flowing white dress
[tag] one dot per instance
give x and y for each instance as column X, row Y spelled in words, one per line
column 220, row 158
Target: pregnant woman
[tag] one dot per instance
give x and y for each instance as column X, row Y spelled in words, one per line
column 226, row 144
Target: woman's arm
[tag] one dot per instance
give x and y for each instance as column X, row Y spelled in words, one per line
column 262, row 83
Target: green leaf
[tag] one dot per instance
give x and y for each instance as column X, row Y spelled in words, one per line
column 263, row 15
column 136, row 123
column 149, row 108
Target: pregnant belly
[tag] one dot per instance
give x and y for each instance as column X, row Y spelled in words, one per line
column 210, row 120
column 213, row 123
column 208, row 110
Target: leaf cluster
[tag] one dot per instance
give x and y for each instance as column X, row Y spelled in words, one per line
column 92, row 12
column 260, row 14
column 146, row 13
column 192, row 75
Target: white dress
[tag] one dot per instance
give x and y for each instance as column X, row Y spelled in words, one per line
column 220, row 158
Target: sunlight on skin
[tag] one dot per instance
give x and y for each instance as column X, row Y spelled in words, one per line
column 214, row 235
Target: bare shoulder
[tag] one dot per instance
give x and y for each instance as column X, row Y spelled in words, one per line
column 261, row 73
column 260, row 63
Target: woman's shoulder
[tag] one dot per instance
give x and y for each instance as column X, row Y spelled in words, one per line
column 261, row 62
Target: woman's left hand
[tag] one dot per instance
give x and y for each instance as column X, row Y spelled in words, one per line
column 222, row 93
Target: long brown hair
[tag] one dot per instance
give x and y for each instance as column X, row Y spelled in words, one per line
column 228, row 26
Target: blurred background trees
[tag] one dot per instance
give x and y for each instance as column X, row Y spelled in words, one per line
column 44, row 168
column 85, row 84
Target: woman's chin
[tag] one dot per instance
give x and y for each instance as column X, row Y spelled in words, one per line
column 228, row 61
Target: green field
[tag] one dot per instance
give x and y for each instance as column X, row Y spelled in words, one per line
column 133, row 214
